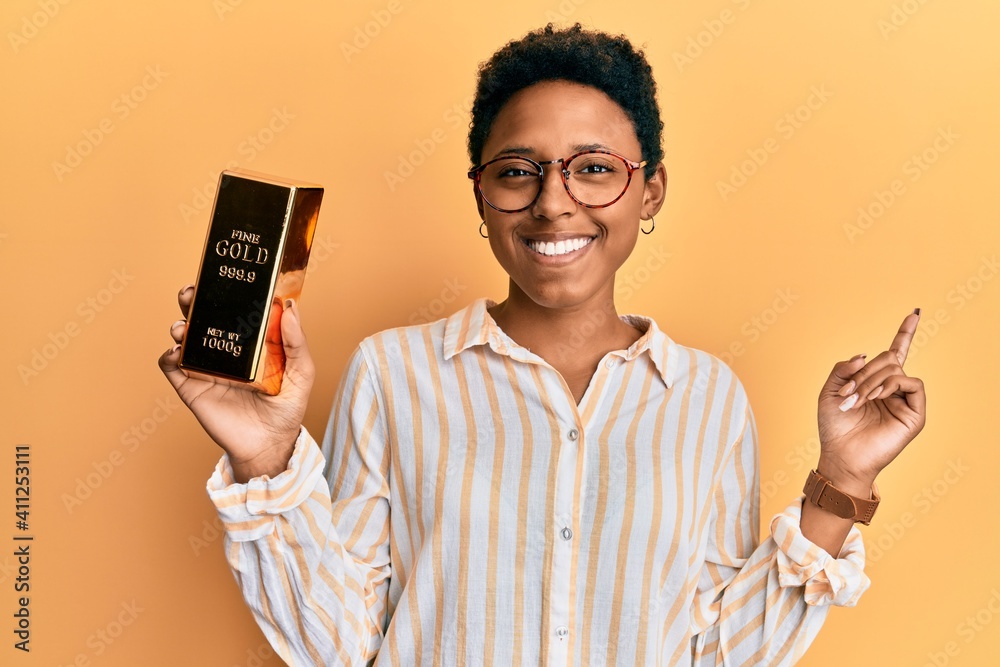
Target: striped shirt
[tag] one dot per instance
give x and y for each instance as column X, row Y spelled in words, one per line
column 464, row 509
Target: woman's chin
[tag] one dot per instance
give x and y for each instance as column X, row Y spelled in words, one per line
column 560, row 297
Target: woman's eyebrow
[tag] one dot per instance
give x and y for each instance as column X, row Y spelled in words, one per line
column 517, row 150
column 590, row 147
column 526, row 150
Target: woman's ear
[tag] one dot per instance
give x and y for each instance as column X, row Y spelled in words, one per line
column 479, row 200
column 655, row 191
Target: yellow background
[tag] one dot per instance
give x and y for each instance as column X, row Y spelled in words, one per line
column 344, row 109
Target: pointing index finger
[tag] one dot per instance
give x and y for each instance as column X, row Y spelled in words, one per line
column 901, row 342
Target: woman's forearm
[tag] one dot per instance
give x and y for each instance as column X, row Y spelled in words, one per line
column 823, row 528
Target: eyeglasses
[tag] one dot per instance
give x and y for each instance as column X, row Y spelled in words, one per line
column 595, row 179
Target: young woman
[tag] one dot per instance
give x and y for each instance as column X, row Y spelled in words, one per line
column 541, row 480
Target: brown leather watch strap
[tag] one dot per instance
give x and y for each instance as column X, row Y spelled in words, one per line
column 823, row 494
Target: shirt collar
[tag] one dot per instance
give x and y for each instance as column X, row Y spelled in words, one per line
column 473, row 325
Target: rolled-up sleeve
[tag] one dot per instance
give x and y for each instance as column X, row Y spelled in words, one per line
column 313, row 566
column 764, row 604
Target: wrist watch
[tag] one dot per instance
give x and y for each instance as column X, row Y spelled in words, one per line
column 823, row 494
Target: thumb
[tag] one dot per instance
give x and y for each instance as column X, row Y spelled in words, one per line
column 168, row 364
column 298, row 361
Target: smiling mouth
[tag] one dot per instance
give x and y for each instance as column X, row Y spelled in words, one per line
column 564, row 247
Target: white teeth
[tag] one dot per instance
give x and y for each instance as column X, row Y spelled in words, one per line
column 559, row 248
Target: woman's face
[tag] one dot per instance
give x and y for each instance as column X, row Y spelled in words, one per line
column 555, row 119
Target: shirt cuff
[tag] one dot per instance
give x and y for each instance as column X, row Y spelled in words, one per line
column 247, row 509
column 827, row 580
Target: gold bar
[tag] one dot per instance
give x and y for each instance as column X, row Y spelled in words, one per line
column 255, row 257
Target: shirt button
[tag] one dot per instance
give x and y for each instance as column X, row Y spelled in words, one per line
column 573, row 434
column 566, row 533
column 562, row 631
column 610, row 363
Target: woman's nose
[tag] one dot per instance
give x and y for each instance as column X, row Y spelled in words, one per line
column 553, row 200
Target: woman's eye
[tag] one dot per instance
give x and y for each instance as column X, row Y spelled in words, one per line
column 515, row 171
column 596, row 168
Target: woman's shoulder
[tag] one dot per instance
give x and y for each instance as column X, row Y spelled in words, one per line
column 390, row 339
column 702, row 372
column 424, row 333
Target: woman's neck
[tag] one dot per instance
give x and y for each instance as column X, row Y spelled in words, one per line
column 573, row 335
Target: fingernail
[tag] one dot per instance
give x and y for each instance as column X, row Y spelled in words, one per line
column 847, row 388
column 849, row 402
column 858, row 356
column 917, row 311
column 178, row 322
column 874, row 392
column 187, row 289
column 175, row 348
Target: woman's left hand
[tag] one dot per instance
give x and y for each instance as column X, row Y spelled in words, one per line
column 869, row 412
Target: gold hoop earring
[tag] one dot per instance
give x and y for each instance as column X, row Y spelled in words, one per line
column 651, row 228
column 485, row 236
